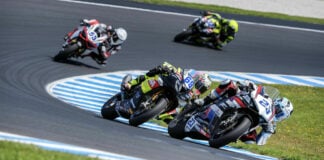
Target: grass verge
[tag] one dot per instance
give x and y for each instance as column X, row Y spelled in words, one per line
column 230, row 10
column 19, row 151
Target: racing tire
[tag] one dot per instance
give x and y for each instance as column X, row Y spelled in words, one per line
column 145, row 116
column 232, row 135
column 182, row 36
column 66, row 52
column 176, row 128
column 108, row 109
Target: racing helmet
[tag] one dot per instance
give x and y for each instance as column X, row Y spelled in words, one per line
column 247, row 85
column 233, row 25
column 203, row 83
column 118, row 37
column 229, row 86
column 284, row 108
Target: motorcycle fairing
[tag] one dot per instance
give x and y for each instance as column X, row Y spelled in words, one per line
column 263, row 104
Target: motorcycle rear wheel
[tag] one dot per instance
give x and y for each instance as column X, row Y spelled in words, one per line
column 232, row 135
column 66, row 52
column 160, row 106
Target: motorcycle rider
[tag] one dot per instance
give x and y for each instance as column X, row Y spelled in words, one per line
column 228, row 88
column 111, row 38
column 228, row 29
column 211, row 27
column 172, row 76
column 284, row 108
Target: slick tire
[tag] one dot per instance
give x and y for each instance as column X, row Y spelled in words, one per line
column 145, row 116
column 232, row 135
column 108, row 109
column 176, row 128
column 182, row 36
column 66, row 53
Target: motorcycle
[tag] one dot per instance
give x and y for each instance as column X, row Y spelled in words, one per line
column 83, row 40
column 220, row 125
column 196, row 33
column 159, row 100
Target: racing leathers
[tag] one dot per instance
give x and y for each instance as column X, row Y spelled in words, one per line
column 210, row 27
column 228, row 28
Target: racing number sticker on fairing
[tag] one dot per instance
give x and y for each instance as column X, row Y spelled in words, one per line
column 93, row 36
column 266, row 105
column 190, row 124
column 189, row 82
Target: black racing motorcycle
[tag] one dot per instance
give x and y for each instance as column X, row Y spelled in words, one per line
column 196, row 32
column 159, row 100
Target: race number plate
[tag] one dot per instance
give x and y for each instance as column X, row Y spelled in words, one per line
column 190, row 124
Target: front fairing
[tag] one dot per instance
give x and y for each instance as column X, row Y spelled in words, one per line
column 263, row 102
column 202, row 122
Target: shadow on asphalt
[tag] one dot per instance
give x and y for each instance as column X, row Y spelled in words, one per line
column 76, row 63
column 199, row 45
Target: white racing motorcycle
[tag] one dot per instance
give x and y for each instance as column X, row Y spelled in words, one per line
column 83, row 40
column 221, row 125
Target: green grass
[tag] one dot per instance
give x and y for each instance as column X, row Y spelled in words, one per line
column 224, row 9
column 18, row 151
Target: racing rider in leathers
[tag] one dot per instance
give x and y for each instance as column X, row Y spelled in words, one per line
column 229, row 88
column 172, row 77
column 112, row 40
column 227, row 31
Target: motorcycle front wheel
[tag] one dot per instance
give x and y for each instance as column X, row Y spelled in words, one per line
column 232, row 135
column 108, row 109
column 176, row 128
column 182, row 36
column 66, row 52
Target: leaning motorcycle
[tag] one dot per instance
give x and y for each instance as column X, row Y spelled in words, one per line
column 83, row 40
column 195, row 33
column 159, row 100
column 221, row 126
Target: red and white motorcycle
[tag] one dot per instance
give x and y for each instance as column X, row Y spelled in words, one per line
column 82, row 41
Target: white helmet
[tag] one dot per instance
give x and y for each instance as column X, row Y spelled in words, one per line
column 203, row 83
column 118, row 37
column 247, row 85
column 284, row 108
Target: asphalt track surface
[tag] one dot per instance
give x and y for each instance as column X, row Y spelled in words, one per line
column 31, row 34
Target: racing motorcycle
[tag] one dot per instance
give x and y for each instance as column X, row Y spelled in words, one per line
column 196, row 32
column 220, row 125
column 83, row 40
column 159, row 100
